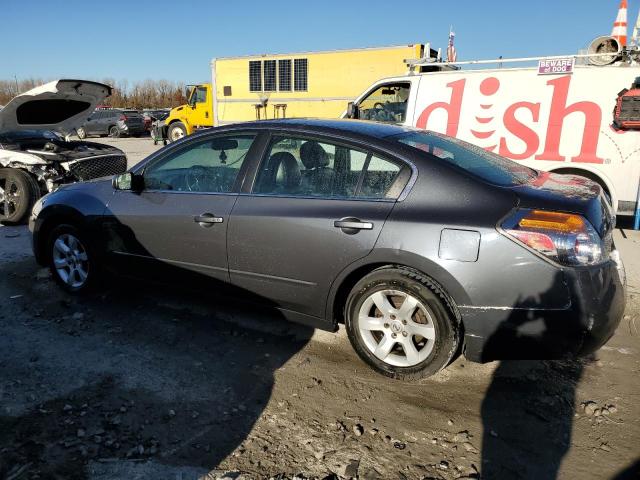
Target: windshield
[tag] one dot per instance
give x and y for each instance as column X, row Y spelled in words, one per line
column 479, row 162
column 20, row 135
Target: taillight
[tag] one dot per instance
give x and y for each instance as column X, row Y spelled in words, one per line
column 566, row 238
column 123, row 117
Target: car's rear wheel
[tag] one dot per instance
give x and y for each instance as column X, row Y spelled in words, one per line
column 82, row 134
column 176, row 131
column 71, row 259
column 18, row 192
column 114, row 131
column 401, row 324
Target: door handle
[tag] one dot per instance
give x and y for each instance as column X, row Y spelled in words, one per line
column 351, row 225
column 207, row 220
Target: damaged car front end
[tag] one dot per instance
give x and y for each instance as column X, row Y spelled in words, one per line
column 35, row 153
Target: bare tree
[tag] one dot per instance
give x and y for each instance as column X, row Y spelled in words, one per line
column 145, row 94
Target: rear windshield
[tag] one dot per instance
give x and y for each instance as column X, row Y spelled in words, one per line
column 488, row 166
column 131, row 112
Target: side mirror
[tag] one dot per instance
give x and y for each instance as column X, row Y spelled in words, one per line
column 352, row 110
column 127, row 181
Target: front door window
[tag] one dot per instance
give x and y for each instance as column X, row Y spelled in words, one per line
column 207, row 166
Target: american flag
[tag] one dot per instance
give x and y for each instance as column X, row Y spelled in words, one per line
column 451, row 50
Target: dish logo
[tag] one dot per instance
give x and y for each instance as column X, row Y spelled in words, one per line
column 553, row 125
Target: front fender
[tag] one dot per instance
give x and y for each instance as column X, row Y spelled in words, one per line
column 65, row 206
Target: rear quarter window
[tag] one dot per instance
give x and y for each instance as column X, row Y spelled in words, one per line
column 487, row 166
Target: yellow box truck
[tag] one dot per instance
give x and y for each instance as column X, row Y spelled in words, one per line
column 306, row 84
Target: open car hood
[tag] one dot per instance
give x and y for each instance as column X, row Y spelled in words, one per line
column 61, row 106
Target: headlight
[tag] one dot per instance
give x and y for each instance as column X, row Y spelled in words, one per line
column 566, row 238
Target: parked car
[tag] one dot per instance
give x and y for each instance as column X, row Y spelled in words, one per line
column 151, row 116
column 35, row 157
column 423, row 245
column 113, row 122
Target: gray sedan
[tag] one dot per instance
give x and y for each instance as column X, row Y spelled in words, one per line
column 424, row 246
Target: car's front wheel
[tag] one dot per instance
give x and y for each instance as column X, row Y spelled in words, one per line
column 71, row 259
column 18, row 192
column 401, row 324
column 82, row 133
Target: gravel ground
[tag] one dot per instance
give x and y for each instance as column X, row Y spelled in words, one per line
column 138, row 381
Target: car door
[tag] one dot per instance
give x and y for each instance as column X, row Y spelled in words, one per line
column 90, row 126
column 180, row 218
column 315, row 207
column 200, row 106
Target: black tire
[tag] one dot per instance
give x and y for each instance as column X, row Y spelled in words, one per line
column 82, row 133
column 93, row 271
column 173, row 134
column 114, row 131
column 21, row 191
column 447, row 332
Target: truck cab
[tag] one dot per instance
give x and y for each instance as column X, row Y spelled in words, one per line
column 196, row 113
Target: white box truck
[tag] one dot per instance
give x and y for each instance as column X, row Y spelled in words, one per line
column 557, row 116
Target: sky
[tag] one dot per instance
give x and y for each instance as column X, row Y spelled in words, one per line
column 176, row 40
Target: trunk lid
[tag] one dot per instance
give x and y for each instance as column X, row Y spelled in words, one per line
column 61, row 106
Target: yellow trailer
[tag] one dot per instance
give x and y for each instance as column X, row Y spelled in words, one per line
column 306, row 84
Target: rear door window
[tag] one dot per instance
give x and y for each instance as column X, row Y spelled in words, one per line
column 304, row 167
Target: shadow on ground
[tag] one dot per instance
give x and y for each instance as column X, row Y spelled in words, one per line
column 130, row 375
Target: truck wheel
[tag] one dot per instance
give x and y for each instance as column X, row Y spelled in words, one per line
column 114, row 131
column 18, row 192
column 176, row 131
column 82, row 134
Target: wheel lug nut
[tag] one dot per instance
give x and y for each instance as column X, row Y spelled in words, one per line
column 404, row 334
column 392, row 317
column 386, row 325
column 393, row 335
column 404, row 322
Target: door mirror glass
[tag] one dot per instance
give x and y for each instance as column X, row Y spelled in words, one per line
column 124, row 181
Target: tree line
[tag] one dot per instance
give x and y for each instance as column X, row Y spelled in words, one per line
column 138, row 95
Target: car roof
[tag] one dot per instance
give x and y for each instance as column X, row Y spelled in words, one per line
column 354, row 127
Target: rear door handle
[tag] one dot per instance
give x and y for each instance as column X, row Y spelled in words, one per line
column 207, row 220
column 352, row 225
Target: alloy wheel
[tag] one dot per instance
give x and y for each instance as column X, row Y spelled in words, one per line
column 70, row 260
column 396, row 327
column 10, row 197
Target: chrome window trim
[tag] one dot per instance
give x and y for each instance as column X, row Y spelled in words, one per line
column 310, row 197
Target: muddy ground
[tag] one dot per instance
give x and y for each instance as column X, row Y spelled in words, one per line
column 142, row 381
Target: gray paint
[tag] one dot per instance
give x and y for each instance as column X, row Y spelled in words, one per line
column 460, row 245
column 286, row 250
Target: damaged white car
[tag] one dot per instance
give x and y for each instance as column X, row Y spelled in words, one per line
column 35, row 153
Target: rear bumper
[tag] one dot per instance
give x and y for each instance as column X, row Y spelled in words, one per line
column 597, row 303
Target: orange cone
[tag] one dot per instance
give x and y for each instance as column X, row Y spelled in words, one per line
column 619, row 31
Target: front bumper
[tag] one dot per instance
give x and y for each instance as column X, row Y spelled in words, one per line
column 597, row 302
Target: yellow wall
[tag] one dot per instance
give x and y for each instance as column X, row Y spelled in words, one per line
column 334, row 79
